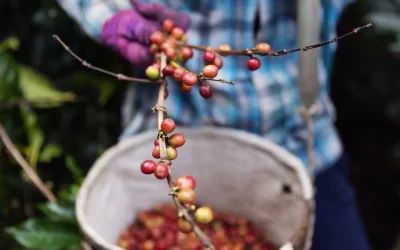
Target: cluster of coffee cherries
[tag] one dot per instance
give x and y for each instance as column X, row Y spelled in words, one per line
column 161, row 228
column 184, row 185
column 161, row 169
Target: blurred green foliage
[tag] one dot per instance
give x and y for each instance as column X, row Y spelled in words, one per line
column 59, row 114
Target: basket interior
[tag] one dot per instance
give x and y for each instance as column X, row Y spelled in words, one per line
column 235, row 171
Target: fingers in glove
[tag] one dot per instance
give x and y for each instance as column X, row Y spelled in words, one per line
column 136, row 53
column 130, row 25
column 160, row 13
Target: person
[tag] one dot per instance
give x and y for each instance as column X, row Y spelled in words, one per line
column 264, row 102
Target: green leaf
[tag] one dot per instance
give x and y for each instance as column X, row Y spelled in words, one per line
column 8, row 77
column 39, row 90
column 50, row 152
column 34, row 133
column 45, row 234
column 11, row 43
column 74, row 169
column 68, row 194
column 58, row 212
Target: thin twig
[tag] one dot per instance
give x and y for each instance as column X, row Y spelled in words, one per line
column 218, row 80
column 90, row 66
column 253, row 51
column 205, row 240
column 33, row 176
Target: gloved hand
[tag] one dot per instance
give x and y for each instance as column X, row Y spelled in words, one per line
column 128, row 31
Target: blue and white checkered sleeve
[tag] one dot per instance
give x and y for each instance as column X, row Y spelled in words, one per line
column 92, row 14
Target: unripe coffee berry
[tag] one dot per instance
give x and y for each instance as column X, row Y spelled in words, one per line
column 203, row 215
column 210, row 71
column 176, row 140
column 172, row 153
column 263, row 47
column 152, row 72
column 168, row 126
column 187, row 196
column 184, row 226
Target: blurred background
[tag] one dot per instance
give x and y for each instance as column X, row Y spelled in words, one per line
column 62, row 116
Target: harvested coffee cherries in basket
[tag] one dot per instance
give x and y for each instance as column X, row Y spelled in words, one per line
column 161, row 228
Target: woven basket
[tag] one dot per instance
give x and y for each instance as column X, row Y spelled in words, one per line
column 235, row 171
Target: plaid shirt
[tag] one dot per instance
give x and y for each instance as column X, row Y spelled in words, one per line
column 264, row 102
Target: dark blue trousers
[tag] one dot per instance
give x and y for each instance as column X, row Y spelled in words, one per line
column 338, row 225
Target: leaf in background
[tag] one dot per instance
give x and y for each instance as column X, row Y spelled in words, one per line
column 105, row 87
column 59, row 212
column 8, row 77
column 11, row 43
column 45, row 234
column 49, row 152
column 74, row 169
column 68, row 194
column 34, row 133
column 39, row 90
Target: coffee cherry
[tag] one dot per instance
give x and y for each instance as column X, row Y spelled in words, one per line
column 168, row 126
column 156, row 142
column 171, row 41
column 186, row 181
column 184, row 226
column 157, row 37
column 172, row 153
column 152, row 72
column 157, row 65
column 205, row 90
column 203, row 215
column 224, row 47
column 164, row 46
column 189, row 78
column 209, row 56
column 253, row 63
column 178, row 73
column 186, row 88
column 168, row 70
column 168, row 25
column 177, row 33
column 176, row 140
column 148, row 166
column 218, row 62
column 210, row 71
column 161, row 171
column 187, row 53
column 263, row 47
column 156, row 152
column 170, row 53
column 154, row 48
column 186, row 196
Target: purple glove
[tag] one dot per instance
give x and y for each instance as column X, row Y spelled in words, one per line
column 128, row 31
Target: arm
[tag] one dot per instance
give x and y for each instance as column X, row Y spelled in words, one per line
column 92, row 14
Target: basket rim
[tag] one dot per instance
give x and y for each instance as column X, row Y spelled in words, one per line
column 260, row 142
